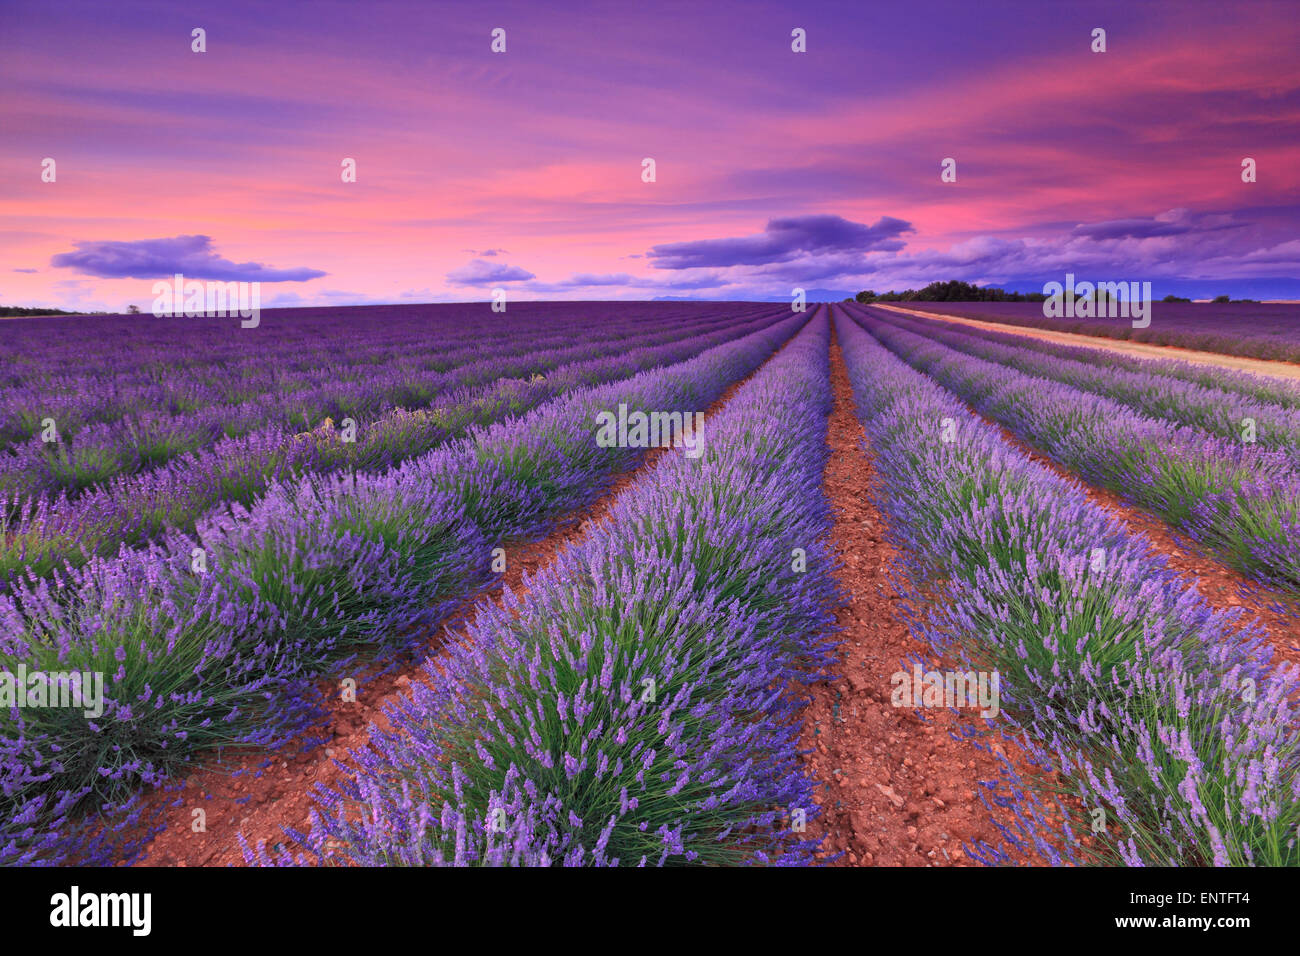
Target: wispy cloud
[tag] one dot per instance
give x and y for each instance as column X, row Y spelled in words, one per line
column 481, row 273
column 1175, row 222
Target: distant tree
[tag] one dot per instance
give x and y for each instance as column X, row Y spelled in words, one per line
column 1174, row 298
column 1222, row 298
column 132, row 310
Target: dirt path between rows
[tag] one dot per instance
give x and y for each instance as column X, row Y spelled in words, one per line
column 1144, row 350
column 256, row 794
column 896, row 789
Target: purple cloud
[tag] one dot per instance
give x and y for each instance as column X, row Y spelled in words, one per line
column 591, row 279
column 1170, row 247
column 25, row 270
column 1193, row 247
column 1176, row 222
column 784, row 240
column 481, row 273
column 623, row 280
column 191, row 256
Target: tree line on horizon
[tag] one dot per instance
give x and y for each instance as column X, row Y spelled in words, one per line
column 954, row 290
column 18, row 310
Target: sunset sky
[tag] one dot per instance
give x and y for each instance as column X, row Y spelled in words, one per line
column 522, row 170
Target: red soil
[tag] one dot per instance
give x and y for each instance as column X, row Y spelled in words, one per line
column 897, row 790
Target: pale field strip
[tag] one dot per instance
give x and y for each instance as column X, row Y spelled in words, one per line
column 1142, row 350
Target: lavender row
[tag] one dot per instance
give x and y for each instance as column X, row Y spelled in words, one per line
column 261, row 388
column 639, row 705
column 1241, row 500
column 1268, row 389
column 1162, row 712
column 210, row 640
column 42, row 535
column 91, row 371
column 1260, row 330
column 1213, row 410
column 250, row 372
column 90, row 454
column 99, row 371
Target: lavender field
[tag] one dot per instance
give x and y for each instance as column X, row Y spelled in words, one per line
column 694, row 435
column 215, row 582
column 204, row 543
